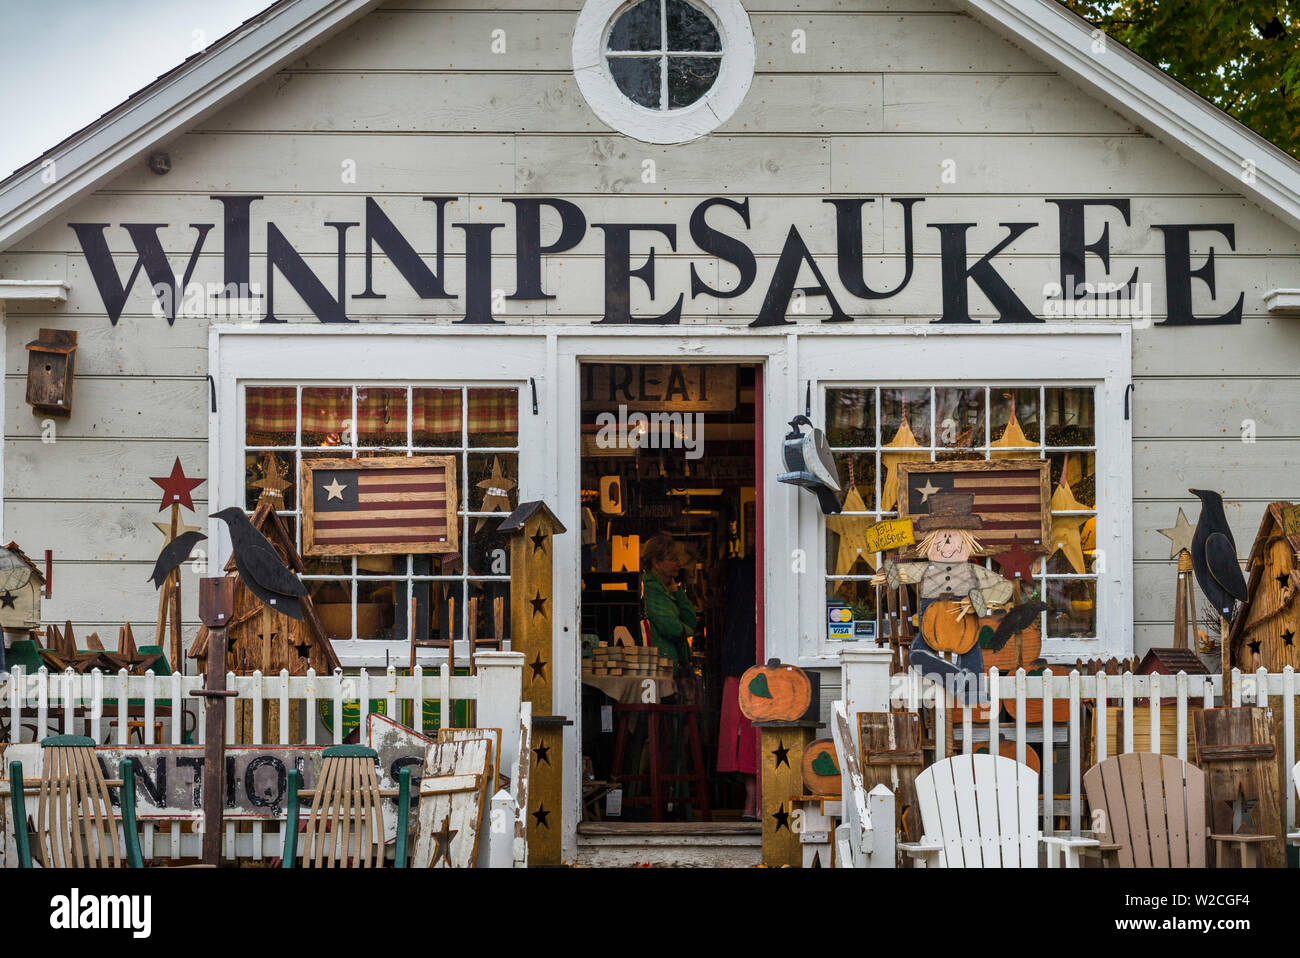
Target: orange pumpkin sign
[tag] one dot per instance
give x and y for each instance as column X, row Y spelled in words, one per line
column 946, row 631
column 775, row 693
column 821, row 768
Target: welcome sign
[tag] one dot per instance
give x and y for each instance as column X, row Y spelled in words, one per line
column 717, row 228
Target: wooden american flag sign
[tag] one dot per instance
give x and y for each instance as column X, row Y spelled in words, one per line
column 379, row 506
column 1012, row 497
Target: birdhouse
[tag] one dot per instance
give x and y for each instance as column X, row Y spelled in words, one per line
column 1170, row 661
column 1265, row 628
column 21, row 587
column 50, row 371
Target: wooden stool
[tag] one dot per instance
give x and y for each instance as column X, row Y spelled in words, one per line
column 136, row 727
column 654, row 715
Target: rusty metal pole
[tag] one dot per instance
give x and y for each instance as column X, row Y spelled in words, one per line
column 216, row 607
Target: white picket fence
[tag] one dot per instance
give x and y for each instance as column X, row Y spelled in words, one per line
column 1105, row 693
column 44, row 703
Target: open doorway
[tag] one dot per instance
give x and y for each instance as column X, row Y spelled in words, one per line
column 669, row 603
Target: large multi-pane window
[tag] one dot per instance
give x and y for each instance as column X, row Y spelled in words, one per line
column 457, row 596
column 871, row 429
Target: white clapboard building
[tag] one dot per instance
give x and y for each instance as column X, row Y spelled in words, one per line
column 354, row 227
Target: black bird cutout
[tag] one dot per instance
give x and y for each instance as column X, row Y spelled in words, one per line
column 172, row 555
column 1214, row 555
column 260, row 566
column 1017, row 620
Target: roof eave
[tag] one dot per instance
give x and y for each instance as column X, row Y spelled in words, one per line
column 1186, row 123
column 166, row 108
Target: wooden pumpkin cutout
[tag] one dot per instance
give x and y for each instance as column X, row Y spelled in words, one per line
column 775, row 693
column 947, row 631
column 821, row 768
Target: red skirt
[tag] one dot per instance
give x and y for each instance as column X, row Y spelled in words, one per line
column 737, row 739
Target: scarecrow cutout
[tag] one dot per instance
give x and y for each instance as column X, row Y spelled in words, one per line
column 954, row 592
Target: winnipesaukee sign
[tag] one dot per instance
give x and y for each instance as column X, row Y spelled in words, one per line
column 717, row 228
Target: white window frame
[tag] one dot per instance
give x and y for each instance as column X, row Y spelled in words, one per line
column 371, row 355
column 1051, row 355
column 664, row 125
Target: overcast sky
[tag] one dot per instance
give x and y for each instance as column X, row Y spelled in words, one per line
column 65, row 62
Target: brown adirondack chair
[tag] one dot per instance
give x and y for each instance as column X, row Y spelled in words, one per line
column 76, row 824
column 1153, row 813
column 345, row 825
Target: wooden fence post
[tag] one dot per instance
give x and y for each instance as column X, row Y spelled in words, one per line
column 865, row 676
column 880, row 808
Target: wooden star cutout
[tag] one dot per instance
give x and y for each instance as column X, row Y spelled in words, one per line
column 927, row 490
column 538, row 666
column 852, row 531
column 538, row 604
column 1283, row 579
column 1180, row 536
column 303, row 649
column 1066, row 530
column 442, row 844
column 782, row 754
column 7, row 600
column 128, row 656
column 1015, row 563
column 1254, row 647
column 543, row 753
column 539, row 542
column 176, row 487
column 166, row 529
column 782, row 818
column 1014, row 436
column 1288, row 637
column 541, row 815
column 496, row 492
column 889, row 463
column 273, row 482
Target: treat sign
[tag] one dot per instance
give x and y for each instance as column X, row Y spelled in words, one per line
column 889, row 534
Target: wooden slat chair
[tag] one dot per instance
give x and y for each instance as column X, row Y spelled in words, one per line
column 981, row 811
column 345, row 825
column 76, row 825
column 1153, row 813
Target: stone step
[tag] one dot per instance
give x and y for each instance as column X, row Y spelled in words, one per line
column 677, row 844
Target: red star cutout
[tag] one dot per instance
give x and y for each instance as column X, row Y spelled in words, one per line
column 1015, row 563
column 177, row 487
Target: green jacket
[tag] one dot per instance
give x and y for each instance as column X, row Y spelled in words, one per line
column 671, row 615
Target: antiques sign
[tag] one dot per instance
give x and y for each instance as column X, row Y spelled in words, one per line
column 717, row 229
column 169, row 779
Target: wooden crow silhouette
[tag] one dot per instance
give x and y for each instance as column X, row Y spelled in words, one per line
column 260, row 566
column 1017, row 620
column 172, row 555
column 1214, row 555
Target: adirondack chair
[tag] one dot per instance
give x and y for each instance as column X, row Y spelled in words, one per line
column 981, row 811
column 1153, row 813
column 345, row 825
column 76, row 825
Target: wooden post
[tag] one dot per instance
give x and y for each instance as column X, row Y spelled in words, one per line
column 216, row 608
column 782, row 746
column 1181, row 606
column 532, row 527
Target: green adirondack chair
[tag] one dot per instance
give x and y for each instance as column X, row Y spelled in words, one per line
column 76, row 826
column 345, row 825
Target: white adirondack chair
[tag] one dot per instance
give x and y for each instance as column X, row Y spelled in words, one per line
column 865, row 839
column 981, row 811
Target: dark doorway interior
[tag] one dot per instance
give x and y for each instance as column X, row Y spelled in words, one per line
column 668, row 460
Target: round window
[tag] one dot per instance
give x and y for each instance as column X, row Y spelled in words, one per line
column 663, row 71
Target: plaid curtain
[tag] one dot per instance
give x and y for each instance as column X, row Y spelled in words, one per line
column 271, row 412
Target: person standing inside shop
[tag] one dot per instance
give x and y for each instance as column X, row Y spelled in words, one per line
column 669, row 612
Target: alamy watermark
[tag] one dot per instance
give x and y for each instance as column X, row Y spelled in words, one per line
column 656, row 430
